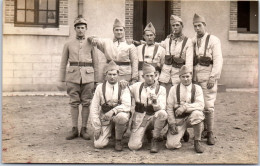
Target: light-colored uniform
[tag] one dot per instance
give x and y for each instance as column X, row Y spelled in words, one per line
column 142, row 121
column 192, row 120
column 79, row 79
column 203, row 73
column 149, row 57
column 121, row 117
column 120, row 51
column 170, row 73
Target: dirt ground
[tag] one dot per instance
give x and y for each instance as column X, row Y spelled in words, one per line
column 34, row 130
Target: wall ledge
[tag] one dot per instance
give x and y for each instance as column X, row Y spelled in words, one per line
column 10, row 29
column 235, row 36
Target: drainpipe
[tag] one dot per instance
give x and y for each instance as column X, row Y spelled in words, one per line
column 80, row 8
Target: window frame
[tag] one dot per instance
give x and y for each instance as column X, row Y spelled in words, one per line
column 36, row 19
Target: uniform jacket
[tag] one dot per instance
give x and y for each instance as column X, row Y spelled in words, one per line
column 77, row 51
column 202, row 73
column 120, row 51
column 146, row 91
column 185, row 99
column 112, row 98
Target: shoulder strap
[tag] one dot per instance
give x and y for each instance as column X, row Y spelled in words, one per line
column 155, row 50
column 104, row 91
column 193, row 91
column 140, row 91
column 170, row 43
column 206, row 44
column 178, row 94
column 119, row 92
column 157, row 89
column 143, row 50
column 183, row 44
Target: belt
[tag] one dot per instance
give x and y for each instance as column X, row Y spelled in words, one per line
column 120, row 63
column 81, row 64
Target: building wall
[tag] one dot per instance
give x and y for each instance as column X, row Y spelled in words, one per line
column 240, row 69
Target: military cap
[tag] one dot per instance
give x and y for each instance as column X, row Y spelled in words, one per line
column 111, row 66
column 175, row 18
column 197, row 18
column 150, row 27
column 147, row 68
column 118, row 23
column 80, row 20
column 184, row 69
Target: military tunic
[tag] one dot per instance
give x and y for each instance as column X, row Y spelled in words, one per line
column 149, row 57
column 141, row 121
column 196, row 116
column 122, row 112
column 170, row 73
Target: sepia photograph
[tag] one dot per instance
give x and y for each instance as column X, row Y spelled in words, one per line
column 130, row 81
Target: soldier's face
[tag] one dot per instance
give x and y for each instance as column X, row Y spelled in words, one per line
column 80, row 30
column 149, row 78
column 112, row 76
column 149, row 37
column 199, row 28
column 119, row 32
column 176, row 28
column 186, row 79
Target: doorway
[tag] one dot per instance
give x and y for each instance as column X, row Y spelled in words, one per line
column 157, row 12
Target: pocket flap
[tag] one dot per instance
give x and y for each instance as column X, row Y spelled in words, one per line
column 70, row 70
column 89, row 70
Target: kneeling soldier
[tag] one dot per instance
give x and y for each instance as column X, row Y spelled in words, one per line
column 185, row 104
column 115, row 104
column 150, row 114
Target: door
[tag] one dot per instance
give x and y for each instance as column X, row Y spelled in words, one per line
column 157, row 12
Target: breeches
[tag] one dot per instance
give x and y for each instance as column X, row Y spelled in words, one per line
column 194, row 120
column 120, row 121
column 209, row 95
column 155, row 122
column 80, row 93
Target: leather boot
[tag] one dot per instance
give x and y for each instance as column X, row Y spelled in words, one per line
column 84, row 134
column 73, row 134
column 186, row 136
column 210, row 140
column 154, row 146
column 198, row 147
column 118, row 145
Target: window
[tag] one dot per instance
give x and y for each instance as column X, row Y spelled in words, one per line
column 42, row 13
column 247, row 17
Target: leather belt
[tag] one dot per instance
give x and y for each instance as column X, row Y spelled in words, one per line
column 81, row 64
column 120, row 63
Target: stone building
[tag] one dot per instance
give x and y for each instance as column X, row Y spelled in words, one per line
column 34, row 32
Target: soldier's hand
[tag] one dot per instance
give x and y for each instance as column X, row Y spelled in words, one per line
column 179, row 111
column 108, row 116
column 136, row 43
column 61, row 86
column 123, row 84
column 210, row 83
column 173, row 129
column 133, row 81
column 143, row 42
column 98, row 133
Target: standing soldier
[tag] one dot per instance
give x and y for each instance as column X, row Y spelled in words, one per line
column 179, row 52
column 185, row 104
column 79, row 78
column 115, row 104
column 150, row 114
column 119, row 51
column 150, row 52
column 207, row 69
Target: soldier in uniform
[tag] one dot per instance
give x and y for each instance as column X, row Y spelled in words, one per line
column 150, row 115
column 185, row 106
column 208, row 63
column 119, row 51
column 115, row 104
column 150, row 52
column 179, row 52
column 79, row 77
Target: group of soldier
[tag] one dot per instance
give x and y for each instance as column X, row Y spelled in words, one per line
column 171, row 84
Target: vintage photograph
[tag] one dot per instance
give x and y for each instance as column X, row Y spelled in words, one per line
column 130, row 81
